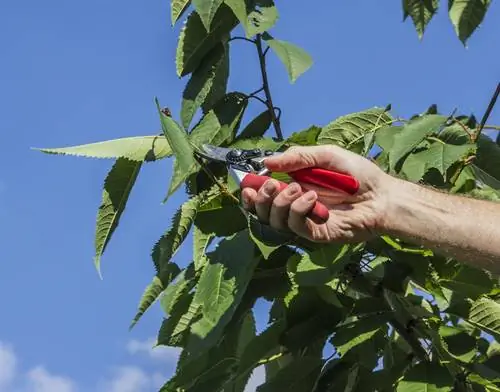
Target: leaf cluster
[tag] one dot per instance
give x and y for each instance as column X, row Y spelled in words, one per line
column 392, row 315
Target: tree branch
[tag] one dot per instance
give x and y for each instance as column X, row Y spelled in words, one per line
column 265, row 82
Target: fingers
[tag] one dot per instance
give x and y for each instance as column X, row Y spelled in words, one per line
column 299, row 209
column 264, row 199
column 299, row 157
column 287, row 210
column 278, row 216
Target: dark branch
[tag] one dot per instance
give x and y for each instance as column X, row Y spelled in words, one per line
column 265, row 82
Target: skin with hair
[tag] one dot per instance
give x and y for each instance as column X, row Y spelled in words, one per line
column 465, row 229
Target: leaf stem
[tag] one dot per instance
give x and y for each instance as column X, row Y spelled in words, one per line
column 242, row 39
column 267, row 91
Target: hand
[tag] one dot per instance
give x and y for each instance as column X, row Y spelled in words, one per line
column 352, row 218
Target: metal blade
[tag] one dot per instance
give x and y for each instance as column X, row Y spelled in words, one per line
column 213, row 153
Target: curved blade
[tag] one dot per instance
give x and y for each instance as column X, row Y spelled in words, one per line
column 213, row 153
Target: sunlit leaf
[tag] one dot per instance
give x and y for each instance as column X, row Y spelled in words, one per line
column 207, row 83
column 137, row 148
column 296, row 60
column 349, row 131
column 421, row 12
column 194, row 41
column 207, row 10
column 177, row 8
column 466, row 16
column 412, row 134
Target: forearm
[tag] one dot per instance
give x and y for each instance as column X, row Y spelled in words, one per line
column 465, row 229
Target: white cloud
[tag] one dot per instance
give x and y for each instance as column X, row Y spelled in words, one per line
column 147, row 347
column 40, row 380
column 132, row 379
column 8, row 363
column 127, row 378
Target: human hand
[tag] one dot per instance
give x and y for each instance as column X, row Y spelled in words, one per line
column 352, row 217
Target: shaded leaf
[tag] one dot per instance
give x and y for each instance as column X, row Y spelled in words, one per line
column 207, row 83
column 466, row 16
column 298, row 376
column 117, row 187
column 469, row 281
column 201, row 241
column 168, row 244
column 137, row 148
column 426, row 377
column 183, row 283
column 194, row 41
column 257, row 127
column 296, row 60
column 221, row 287
column 459, row 343
column 421, row 12
column 216, row 127
column 349, row 131
column 154, row 289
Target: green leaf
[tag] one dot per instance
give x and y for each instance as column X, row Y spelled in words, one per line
column 207, row 10
column 307, row 137
column 177, row 8
column 257, row 17
column 265, row 143
column 174, row 330
column 207, row 83
column 298, row 376
column 421, row 12
column 349, row 131
column 257, row 127
column 426, row 377
column 469, row 281
column 194, row 41
column 201, row 241
column 351, row 335
column 154, row 289
column 296, row 60
column 178, row 140
column 319, row 266
column 216, row 127
column 438, row 156
column 412, row 134
column 168, row 244
column 220, row 289
column 459, row 343
column 184, row 282
column 466, row 16
column 222, row 222
column 117, row 187
column 137, row 148
column 485, row 315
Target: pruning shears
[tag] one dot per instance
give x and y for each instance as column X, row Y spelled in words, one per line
column 248, row 170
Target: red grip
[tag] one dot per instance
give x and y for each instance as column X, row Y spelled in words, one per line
column 326, row 179
column 319, row 214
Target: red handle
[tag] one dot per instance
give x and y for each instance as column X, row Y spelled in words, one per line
column 319, row 213
column 326, row 179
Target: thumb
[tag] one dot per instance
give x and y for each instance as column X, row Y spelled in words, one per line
column 300, row 157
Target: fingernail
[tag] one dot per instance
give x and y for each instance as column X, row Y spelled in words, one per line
column 269, row 188
column 310, row 196
column 292, row 189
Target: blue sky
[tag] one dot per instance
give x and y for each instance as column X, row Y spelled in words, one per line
column 79, row 72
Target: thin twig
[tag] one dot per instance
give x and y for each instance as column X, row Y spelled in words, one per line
column 265, row 82
column 207, row 171
column 256, row 92
column 258, row 99
column 242, row 39
column 471, row 136
column 495, row 127
column 487, row 113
